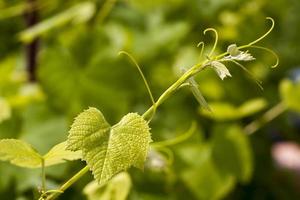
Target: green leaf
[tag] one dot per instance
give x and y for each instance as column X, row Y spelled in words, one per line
column 220, row 69
column 236, row 54
column 19, row 153
column 203, row 177
column 117, row 188
column 58, row 154
column 79, row 13
column 231, row 152
column 290, row 94
column 223, row 111
column 5, row 110
column 110, row 149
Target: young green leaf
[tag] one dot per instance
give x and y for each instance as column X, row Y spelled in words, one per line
column 19, row 153
column 236, row 54
column 220, row 69
column 117, row 188
column 58, row 154
column 107, row 149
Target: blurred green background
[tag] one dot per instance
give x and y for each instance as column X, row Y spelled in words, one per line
column 57, row 58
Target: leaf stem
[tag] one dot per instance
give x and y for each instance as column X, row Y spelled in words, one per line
column 67, row 184
column 43, row 176
column 267, row 117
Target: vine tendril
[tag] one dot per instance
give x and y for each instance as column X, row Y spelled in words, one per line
column 216, row 39
column 144, row 79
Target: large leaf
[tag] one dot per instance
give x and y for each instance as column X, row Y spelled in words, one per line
column 117, row 188
column 109, row 150
column 290, row 94
column 231, row 152
column 19, row 153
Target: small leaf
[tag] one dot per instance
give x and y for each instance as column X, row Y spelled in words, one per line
column 225, row 111
column 220, row 69
column 236, row 54
column 290, row 94
column 5, row 110
column 19, row 153
column 58, row 154
column 117, row 188
column 233, row 50
column 110, row 150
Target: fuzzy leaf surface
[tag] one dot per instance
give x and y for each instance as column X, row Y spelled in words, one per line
column 107, row 149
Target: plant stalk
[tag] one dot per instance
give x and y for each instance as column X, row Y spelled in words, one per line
column 70, row 182
column 266, row 118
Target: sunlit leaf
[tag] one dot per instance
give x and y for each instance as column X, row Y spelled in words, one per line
column 59, row 154
column 19, row 153
column 107, row 149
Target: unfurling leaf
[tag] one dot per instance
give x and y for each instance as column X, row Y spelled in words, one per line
column 220, row 69
column 59, row 154
column 197, row 94
column 236, row 54
column 107, row 149
column 19, row 153
column 233, row 50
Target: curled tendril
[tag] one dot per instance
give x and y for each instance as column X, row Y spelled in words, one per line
column 267, row 33
column 177, row 139
column 269, row 51
column 216, row 39
column 144, row 79
column 202, row 48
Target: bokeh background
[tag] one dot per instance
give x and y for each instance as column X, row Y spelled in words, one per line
column 57, row 58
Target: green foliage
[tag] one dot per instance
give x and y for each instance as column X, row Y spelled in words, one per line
column 58, row 154
column 204, row 178
column 107, row 149
column 231, row 152
column 117, row 188
column 223, row 111
column 22, row 154
column 5, row 110
column 19, row 153
column 290, row 94
column 79, row 13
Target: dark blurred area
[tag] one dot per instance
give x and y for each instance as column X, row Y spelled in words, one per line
column 58, row 58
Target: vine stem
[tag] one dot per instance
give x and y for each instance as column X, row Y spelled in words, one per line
column 267, row 117
column 171, row 90
column 70, row 182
